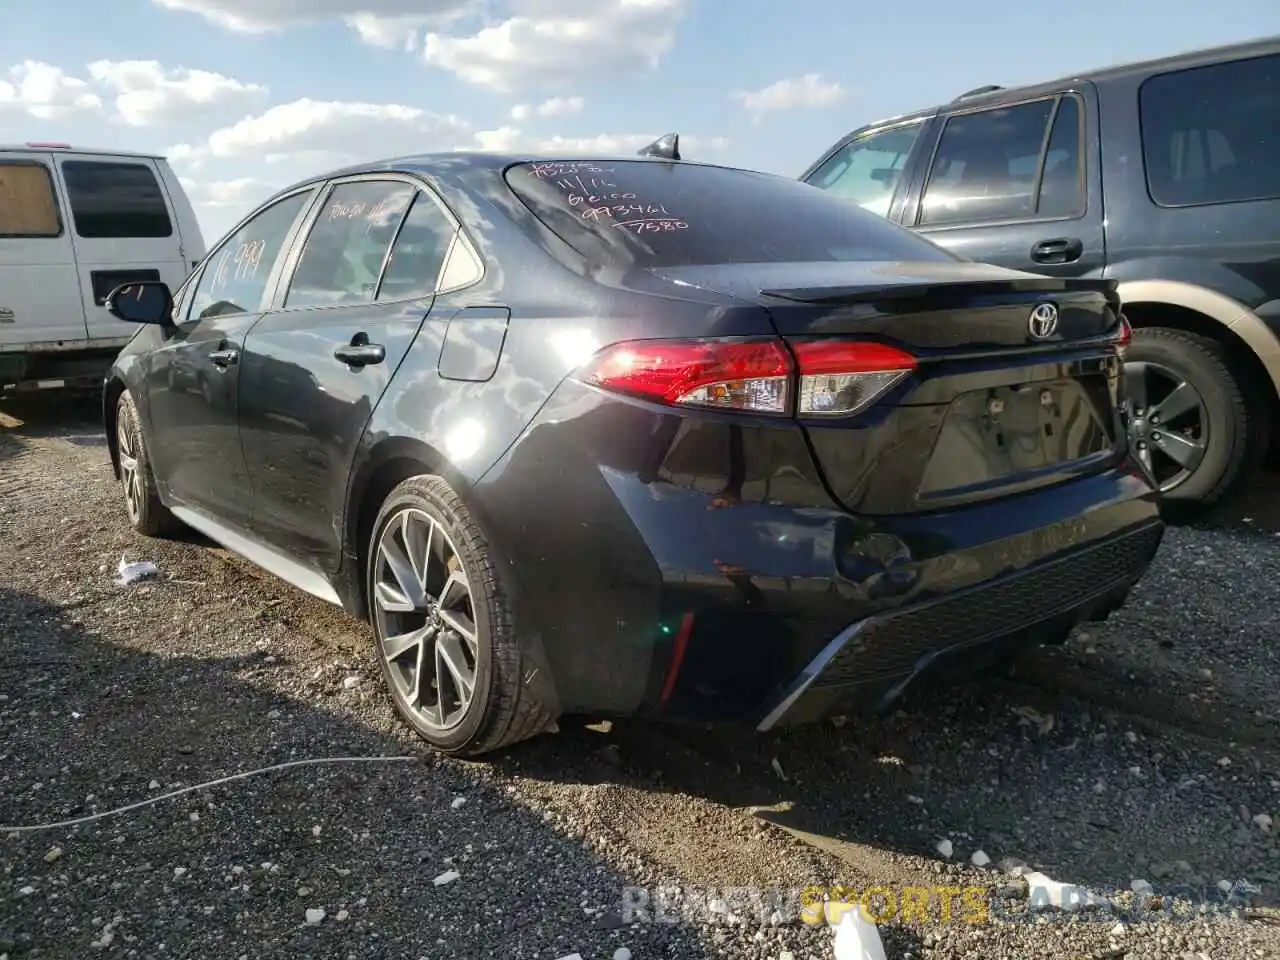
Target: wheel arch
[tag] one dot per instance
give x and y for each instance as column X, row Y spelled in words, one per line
column 1250, row 343
column 390, row 462
column 110, row 399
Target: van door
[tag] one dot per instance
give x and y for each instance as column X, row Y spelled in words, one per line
column 124, row 230
column 39, row 292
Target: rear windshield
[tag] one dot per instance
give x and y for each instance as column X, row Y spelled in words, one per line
column 648, row 213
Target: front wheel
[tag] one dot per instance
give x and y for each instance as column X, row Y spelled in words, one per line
column 1193, row 426
column 142, row 503
column 443, row 624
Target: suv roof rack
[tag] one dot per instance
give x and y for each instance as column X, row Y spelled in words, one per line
column 978, row 91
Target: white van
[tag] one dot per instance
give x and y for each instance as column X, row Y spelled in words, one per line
column 73, row 224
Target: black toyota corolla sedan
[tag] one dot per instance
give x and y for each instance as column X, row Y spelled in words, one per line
column 634, row 436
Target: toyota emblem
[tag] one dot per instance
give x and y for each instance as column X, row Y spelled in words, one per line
column 1043, row 322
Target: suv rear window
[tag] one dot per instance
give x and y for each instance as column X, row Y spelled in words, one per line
column 649, row 213
column 111, row 200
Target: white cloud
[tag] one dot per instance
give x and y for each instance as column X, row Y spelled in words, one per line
column 387, row 23
column 146, row 93
column 554, row 41
column 795, row 93
column 555, row 107
column 239, row 195
column 45, row 91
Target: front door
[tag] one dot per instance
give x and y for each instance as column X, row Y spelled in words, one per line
column 123, row 230
column 192, row 380
column 358, row 292
column 1012, row 186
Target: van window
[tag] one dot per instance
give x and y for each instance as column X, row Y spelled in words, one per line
column 28, row 207
column 1210, row 134
column 115, row 199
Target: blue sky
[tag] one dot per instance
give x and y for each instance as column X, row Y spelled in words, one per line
column 247, row 95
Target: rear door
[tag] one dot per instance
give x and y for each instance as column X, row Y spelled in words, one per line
column 123, row 230
column 354, row 297
column 1017, row 185
column 39, row 292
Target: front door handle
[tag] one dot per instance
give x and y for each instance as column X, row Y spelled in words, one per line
column 360, row 352
column 224, row 358
column 1060, row 250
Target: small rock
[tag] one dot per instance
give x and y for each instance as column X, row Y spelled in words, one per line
column 195, row 817
column 1119, row 930
column 315, row 915
column 179, row 872
column 273, row 714
column 622, row 953
column 457, row 802
column 1224, row 762
column 979, row 858
column 350, row 683
column 912, row 798
column 945, row 847
column 304, row 891
column 27, row 891
column 341, row 915
column 1206, row 673
column 1263, row 822
column 315, row 831
column 53, row 854
column 154, row 785
column 447, row 877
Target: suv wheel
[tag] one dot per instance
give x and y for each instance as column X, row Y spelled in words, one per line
column 1192, row 426
column 146, row 513
column 443, row 624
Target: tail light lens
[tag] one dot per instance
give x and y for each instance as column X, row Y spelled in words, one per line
column 826, row 377
column 839, row 378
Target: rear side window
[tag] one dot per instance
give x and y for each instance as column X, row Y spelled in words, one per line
column 115, row 200
column 28, row 207
column 649, row 213
column 345, row 251
column 998, row 165
column 1212, row 134
column 867, row 170
column 418, row 253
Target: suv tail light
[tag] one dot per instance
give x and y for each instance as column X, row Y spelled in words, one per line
column 815, row 378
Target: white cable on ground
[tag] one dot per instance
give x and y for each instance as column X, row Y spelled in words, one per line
column 204, row 786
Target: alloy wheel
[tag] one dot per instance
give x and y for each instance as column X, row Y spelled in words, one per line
column 127, row 453
column 1170, row 426
column 425, row 619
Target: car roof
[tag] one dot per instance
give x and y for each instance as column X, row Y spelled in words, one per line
column 51, row 147
column 1191, row 58
column 452, row 163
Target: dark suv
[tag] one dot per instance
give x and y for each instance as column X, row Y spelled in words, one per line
column 1164, row 175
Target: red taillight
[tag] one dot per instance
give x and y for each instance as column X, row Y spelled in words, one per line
column 827, row 377
column 842, row 377
column 728, row 374
column 1124, row 337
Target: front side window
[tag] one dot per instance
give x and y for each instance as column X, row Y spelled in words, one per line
column 1212, row 134
column 343, row 256
column 648, row 213
column 866, row 171
column 28, row 207
column 235, row 277
column 113, row 200
column 988, row 164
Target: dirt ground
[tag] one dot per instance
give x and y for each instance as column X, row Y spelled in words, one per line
column 1148, row 748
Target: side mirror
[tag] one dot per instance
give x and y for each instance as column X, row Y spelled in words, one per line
column 146, row 301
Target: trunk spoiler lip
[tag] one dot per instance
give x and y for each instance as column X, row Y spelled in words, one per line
column 924, row 289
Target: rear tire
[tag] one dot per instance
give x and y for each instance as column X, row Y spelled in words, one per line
column 443, row 625
column 146, row 513
column 1231, row 424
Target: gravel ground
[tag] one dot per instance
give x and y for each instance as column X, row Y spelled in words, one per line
column 1148, row 747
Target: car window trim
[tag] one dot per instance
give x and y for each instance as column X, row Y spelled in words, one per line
column 1081, row 166
column 1142, row 131
column 53, row 192
column 209, row 257
column 423, row 188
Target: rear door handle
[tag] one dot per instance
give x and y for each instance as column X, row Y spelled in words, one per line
column 360, row 352
column 1059, row 250
column 225, row 358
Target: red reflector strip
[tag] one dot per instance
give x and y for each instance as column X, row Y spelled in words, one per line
column 849, row 356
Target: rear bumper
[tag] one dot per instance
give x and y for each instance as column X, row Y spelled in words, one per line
column 696, row 569
column 868, row 663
